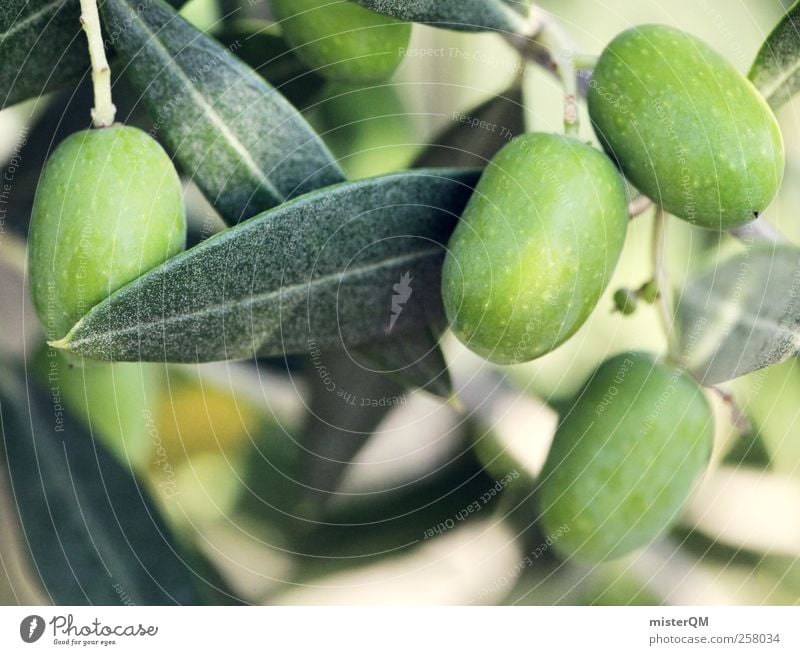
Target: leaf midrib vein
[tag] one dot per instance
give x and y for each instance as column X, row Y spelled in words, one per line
column 251, row 300
column 208, row 109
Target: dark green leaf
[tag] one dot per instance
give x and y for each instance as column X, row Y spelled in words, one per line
column 42, row 47
column 319, row 270
column 243, row 143
column 258, row 43
column 363, row 527
column 522, row 6
column 776, row 69
column 294, row 472
column 742, row 315
column 476, row 136
column 347, row 404
column 465, row 15
column 414, row 360
column 94, row 536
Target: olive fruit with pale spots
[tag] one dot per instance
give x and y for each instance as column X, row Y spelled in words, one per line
column 341, row 40
column 108, row 208
column 625, row 457
column 687, row 129
column 535, row 248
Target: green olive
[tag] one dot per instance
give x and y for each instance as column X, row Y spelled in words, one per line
column 624, row 458
column 343, row 41
column 535, row 248
column 108, row 208
column 625, row 301
column 686, row 127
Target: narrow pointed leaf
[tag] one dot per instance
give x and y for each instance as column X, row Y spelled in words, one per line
column 473, row 138
column 413, row 360
column 347, row 403
column 521, row 6
column 742, row 315
column 776, row 69
column 319, row 269
column 95, row 538
column 463, row 15
column 260, row 45
column 242, row 142
column 42, row 47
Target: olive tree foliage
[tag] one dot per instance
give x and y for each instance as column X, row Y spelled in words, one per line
column 305, row 265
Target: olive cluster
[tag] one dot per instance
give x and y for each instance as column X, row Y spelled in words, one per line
column 527, row 264
column 541, row 237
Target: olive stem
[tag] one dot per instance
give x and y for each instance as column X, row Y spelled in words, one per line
column 639, row 205
column 562, row 51
column 661, row 277
column 583, row 62
column 104, row 111
column 738, row 417
column 759, row 231
column 549, row 46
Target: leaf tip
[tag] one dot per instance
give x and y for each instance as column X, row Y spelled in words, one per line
column 60, row 344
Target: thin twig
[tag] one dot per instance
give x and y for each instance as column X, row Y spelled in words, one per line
column 740, row 420
column 104, row 111
column 584, row 62
column 547, row 45
column 639, row 205
column 759, row 231
column 660, row 275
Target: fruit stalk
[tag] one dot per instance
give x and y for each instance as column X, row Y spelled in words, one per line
column 639, row 205
column 550, row 46
column 104, row 111
column 664, row 300
column 759, row 231
column 555, row 40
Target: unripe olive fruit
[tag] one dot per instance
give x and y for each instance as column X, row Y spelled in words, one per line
column 686, row 127
column 343, row 41
column 108, row 208
column 624, row 459
column 535, row 248
column 625, row 301
column 648, row 292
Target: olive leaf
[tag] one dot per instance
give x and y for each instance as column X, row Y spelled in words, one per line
column 475, row 137
column 94, row 535
column 293, row 474
column 346, row 405
column 317, row 271
column 522, row 6
column 363, row 526
column 242, row 142
column 742, row 315
column 414, row 359
column 42, row 47
column 464, row 15
column 776, row 69
column 259, row 44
